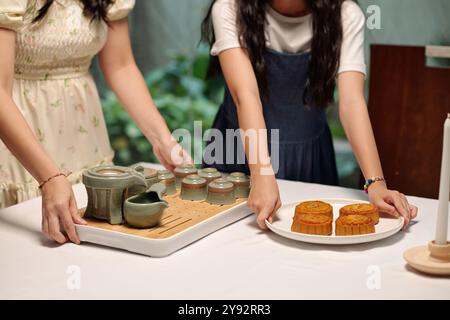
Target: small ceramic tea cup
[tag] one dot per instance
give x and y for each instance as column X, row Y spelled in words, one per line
column 209, row 174
column 182, row 172
column 193, row 187
column 145, row 209
column 241, row 184
column 168, row 179
column 220, row 191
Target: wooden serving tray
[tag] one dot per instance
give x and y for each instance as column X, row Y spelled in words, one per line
column 182, row 223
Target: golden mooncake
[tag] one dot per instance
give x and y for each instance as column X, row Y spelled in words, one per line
column 314, row 207
column 354, row 224
column 363, row 209
column 311, row 223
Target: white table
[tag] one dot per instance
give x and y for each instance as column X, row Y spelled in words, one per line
column 237, row 262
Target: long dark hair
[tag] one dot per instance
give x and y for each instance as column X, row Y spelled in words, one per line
column 325, row 47
column 96, row 9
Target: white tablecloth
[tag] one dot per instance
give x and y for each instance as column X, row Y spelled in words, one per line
column 237, row 262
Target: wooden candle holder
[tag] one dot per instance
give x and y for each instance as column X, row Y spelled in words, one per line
column 432, row 259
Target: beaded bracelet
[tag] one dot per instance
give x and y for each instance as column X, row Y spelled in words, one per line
column 52, row 177
column 370, row 181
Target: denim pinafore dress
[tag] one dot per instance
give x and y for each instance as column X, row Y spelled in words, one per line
column 304, row 148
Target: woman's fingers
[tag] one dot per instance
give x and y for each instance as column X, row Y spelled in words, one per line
column 384, row 207
column 405, row 204
column 54, row 229
column 74, row 212
column 395, row 198
column 69, row 227
column 45, row 228
column 411, row 211
column 263, row 214
column 414, row 210
column 167, row 164
column 272, row 215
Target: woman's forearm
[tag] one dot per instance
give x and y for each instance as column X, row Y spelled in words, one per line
column 253, row 126
column 356, row 123
column 355, row 120
column 241, row 81
column 131, row 90
column 21, row 141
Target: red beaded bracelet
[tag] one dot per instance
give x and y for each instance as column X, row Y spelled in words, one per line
column 370, row 181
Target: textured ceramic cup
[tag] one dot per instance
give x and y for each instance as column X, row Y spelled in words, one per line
column 151, row 176
column 193, row 187
column 107, row 188
column 241, row 184
column 209, row 174
column 220, row 191
column 145, row 209
column 182, row 172
column 168, row 179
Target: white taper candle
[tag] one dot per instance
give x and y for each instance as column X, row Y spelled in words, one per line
column 444, row 188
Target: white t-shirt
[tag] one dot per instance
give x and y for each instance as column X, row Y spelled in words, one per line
column 293, row 34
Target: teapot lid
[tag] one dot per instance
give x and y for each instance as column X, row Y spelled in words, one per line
column 109, row 176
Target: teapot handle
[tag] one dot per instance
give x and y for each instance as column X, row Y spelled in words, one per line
column 138, row 174
column 159, row 188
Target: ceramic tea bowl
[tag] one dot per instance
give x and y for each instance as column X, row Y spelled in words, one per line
column 241, row 184
column 209, row 174
column 168, row 179
column 145, row 209
column 182, row 172
column 107, row 187
column 220, row 191
column 193, row 187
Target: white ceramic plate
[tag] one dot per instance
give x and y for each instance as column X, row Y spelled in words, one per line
column 386, row 227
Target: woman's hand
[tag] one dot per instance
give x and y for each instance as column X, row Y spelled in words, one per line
column 170, row 154
column 59, row 211
column 391, row 202
column 264, row 198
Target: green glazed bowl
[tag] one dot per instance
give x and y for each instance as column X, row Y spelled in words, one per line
column 107, row 188
column 210, row 174
column 193, row 187
column 220, row 192
column 145, row 210
column 241, row 184
column 182, row 172
column 168, row 179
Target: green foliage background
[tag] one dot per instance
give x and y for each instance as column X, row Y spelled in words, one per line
column 181, row 94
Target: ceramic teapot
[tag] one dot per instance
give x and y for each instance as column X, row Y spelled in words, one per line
column 107, row 188
column 151, row 176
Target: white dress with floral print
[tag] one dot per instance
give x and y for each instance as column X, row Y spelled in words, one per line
column 54, row 89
